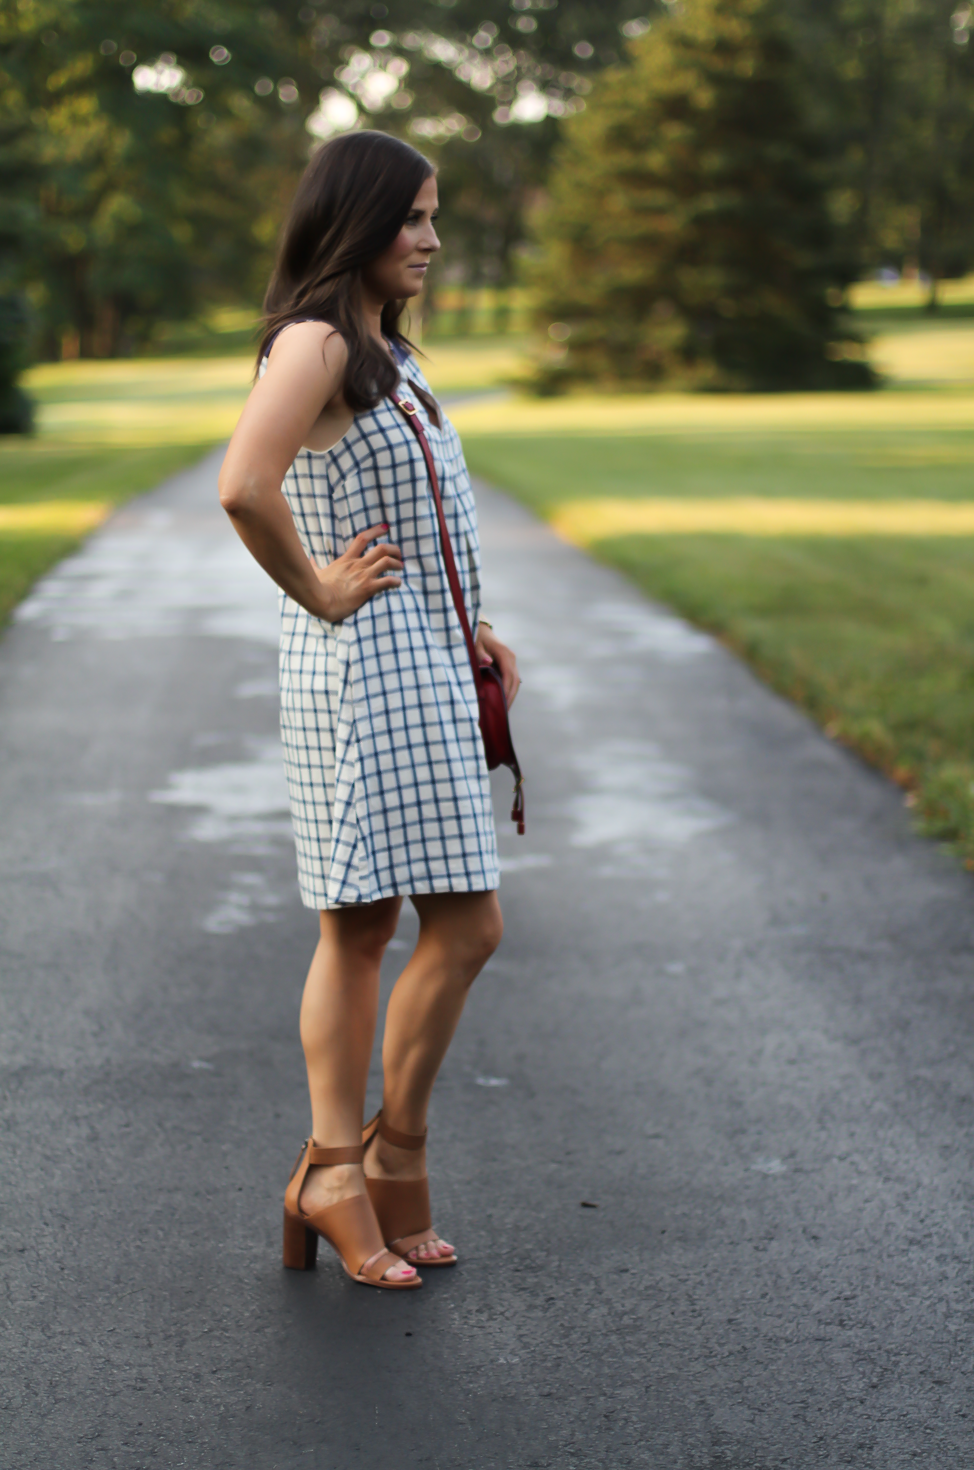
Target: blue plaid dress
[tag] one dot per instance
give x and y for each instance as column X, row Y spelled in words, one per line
column 382, row 747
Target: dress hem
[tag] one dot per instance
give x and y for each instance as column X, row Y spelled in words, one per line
column 398, row 892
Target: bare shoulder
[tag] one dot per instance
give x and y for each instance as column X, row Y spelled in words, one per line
column 307, row 343
column 307, row 358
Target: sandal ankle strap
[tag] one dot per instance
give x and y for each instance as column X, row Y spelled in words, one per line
column 353, row 1154
column 401, row 1140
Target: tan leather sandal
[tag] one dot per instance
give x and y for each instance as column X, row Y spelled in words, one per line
column 402, row 1206
column 350, row 1227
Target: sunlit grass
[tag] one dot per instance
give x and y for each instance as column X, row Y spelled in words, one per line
column 73, row 517
column 828, row 539
column 735, row 414
column 909, row 295
column 589, row 521
column 106, row 431
column 140, row 402
column 471, row 366
column 940, row 354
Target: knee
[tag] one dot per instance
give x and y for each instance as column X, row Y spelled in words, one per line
column 361, row 934
column 483, row 937
column 380, row 931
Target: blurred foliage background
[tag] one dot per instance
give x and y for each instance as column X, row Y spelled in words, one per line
column 147, row 150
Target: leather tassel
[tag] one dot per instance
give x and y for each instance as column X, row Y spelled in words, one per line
column 517, row 810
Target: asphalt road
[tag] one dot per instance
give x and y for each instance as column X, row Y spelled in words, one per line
column 733, row 1010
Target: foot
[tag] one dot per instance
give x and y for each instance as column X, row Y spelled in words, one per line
column 329, row 1184
column 385, row 1160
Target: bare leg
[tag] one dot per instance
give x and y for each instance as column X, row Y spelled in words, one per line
column 338, row 1016
column 458, row 932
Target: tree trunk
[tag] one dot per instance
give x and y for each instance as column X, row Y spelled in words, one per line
column 107, row 329
column 873, row 143
column 462, row 318
column 83, row 308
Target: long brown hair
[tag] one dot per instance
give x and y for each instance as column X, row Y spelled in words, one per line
column 353, row 199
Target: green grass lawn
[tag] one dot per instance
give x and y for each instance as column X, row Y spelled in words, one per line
column 872, row 632
column 827, row 538
column 106, row 431
column 70, row 490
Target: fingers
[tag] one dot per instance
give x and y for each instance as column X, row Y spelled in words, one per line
column 363, row 538
column 384, row 565
column 507, row 668
column 383, row 583
column 376, row 553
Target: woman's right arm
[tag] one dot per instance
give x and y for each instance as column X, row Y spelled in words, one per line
column 304, row 373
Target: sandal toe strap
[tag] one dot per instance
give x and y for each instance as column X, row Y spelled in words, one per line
column 375, row 1268
column 407, row 1243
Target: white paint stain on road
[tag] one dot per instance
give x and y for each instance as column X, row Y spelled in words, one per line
column 637, row 797
column 522, row 861
column 153, row 573
column 633, row 628
column 769, row 1166
column 243, row 804
column 247, row 901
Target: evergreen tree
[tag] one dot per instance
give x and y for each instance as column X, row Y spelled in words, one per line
column 687, row 238
column 164, row 139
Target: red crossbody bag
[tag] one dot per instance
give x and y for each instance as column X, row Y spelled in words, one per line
column 494, row 725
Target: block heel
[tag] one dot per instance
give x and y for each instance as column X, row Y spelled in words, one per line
column 300, row 1244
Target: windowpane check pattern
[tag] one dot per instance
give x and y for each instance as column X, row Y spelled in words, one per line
column 382, row 748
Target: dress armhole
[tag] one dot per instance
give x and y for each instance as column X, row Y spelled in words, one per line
column 299, row 321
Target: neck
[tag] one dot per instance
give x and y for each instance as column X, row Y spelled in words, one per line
column 372, row 311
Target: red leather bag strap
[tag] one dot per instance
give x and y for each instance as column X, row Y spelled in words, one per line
column 409, row 413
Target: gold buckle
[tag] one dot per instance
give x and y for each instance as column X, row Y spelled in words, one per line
column 407, row 407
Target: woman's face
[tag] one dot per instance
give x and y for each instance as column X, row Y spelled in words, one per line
column 401, row 270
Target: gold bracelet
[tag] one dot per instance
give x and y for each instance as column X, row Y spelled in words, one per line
column 483, row 623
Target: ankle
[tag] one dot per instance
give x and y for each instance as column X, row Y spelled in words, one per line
column 400, row 1117
column 391, row 1159
column 336, row 1176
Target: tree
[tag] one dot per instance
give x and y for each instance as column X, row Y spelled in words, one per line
column 153, row 172
column 481, row 86
column 17, row 216
column 688, row 237
column 894, row 90
column 165, row 139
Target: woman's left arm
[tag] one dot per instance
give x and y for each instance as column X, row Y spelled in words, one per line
column 490, row 649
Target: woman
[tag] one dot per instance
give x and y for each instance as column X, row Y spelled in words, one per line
column 327, row 487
